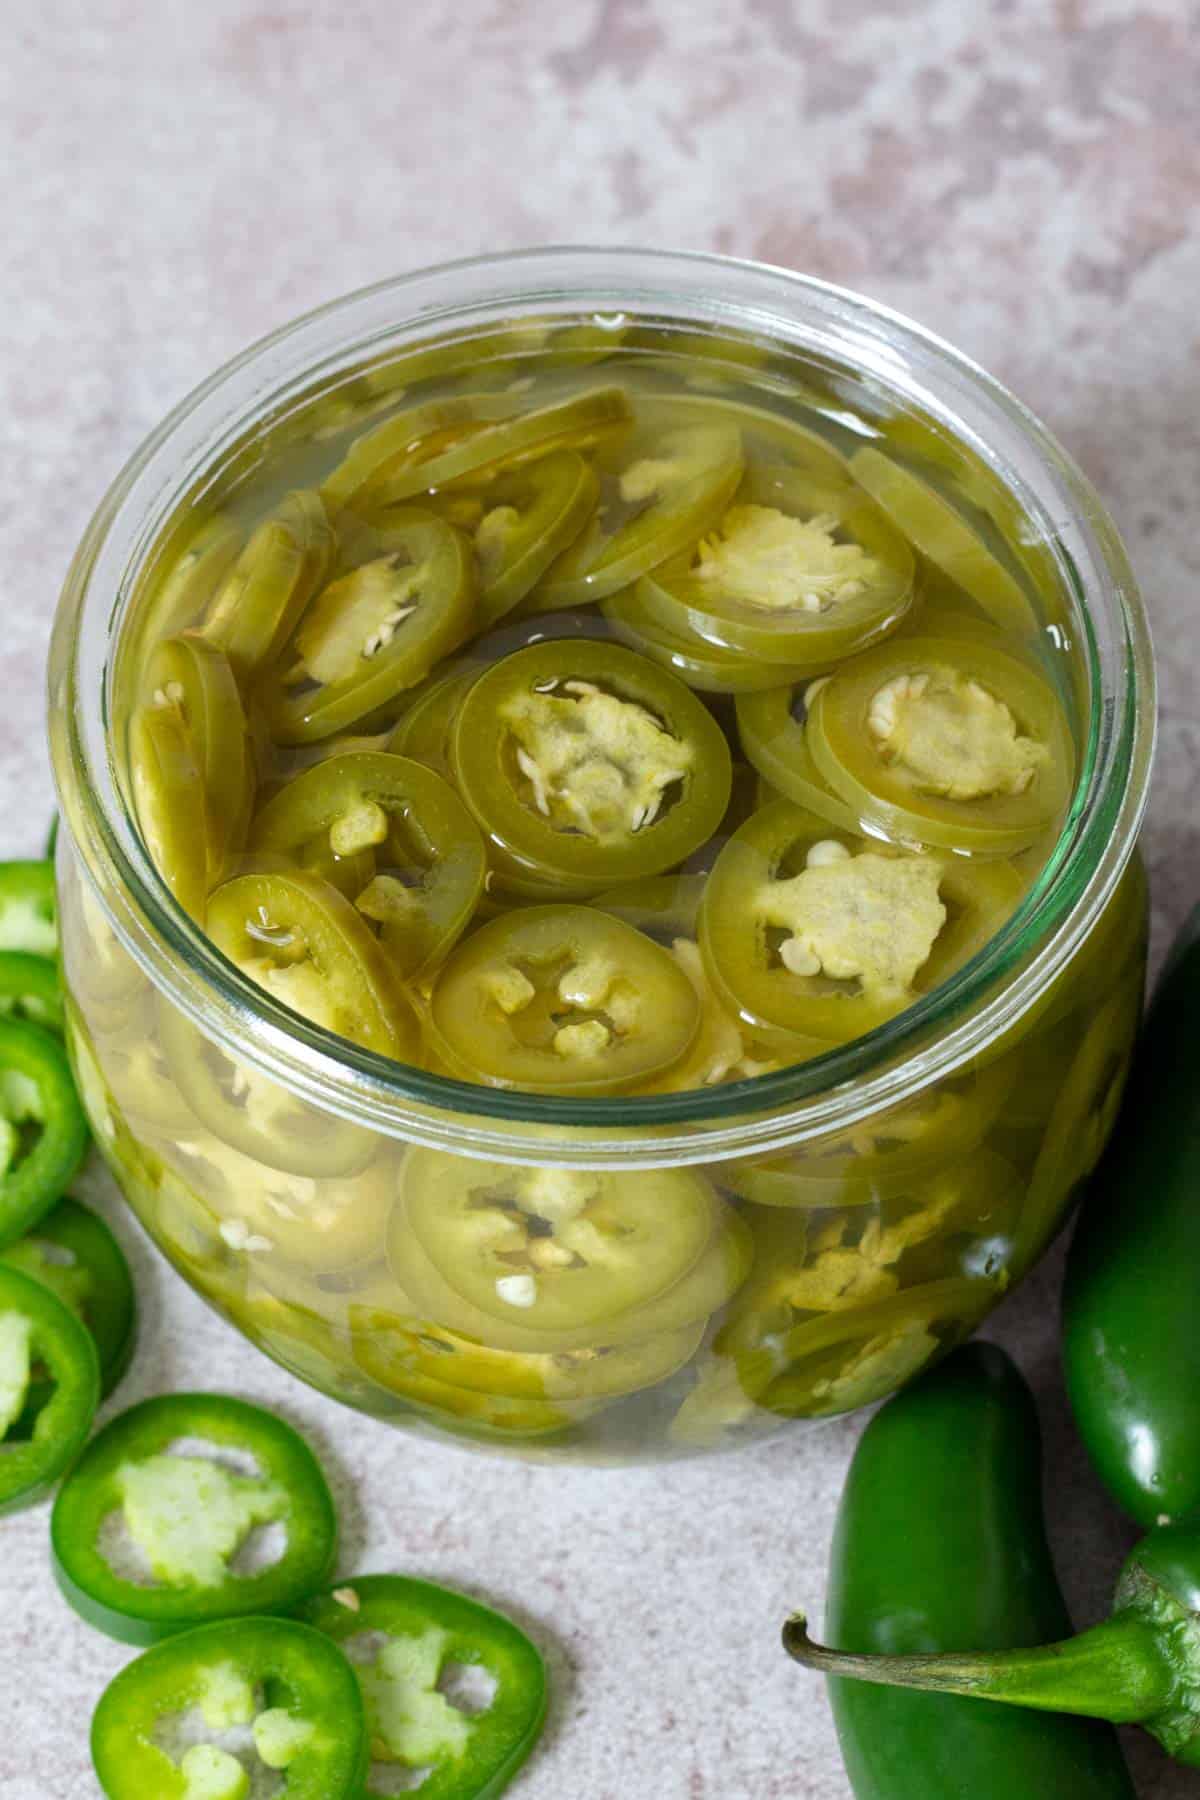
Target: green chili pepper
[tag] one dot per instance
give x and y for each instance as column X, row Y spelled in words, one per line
column 1130, row 1346
column 30, row 989
column 43, row 1133
column 28, row 919
column 37, row 1332
column 52, row 839
column 939, row 1546
column 283, row 1683
column 76, row 1256
column 413, row 1636
column 190, row 1515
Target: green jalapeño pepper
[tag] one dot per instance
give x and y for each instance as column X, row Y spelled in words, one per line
column 28, row 920
column 1139, row 1667
column 43, row 1133
column 30, row 989
column 939, row 1545
column 427, row 856
column 1130, row 1347
column 43, row 1347
column 407, row 1641
column 174, row 1471
column 162, row 1728
column 76, row 1256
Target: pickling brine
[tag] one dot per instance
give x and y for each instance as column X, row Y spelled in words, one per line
column 598, row 712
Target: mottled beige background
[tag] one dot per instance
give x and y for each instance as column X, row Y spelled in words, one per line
column 1022, row 176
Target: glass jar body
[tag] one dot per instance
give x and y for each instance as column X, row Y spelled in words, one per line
column 757, row 1253
column 783, row 1288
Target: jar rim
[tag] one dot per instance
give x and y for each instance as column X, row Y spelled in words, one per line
column 940, row 1032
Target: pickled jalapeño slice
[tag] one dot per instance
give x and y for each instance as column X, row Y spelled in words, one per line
column 941, row 533
column 944, row 741
column 555, row 1248
column 793, row 572
column 377, row 630
column 586, row 765
column 562, row 999
column 257, row 605
column 426, row 852
column 807, row 931
column 302, row 941
column 658, row 493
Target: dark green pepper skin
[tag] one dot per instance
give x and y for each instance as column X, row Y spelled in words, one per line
column 1131, row 1325
column 940, row 1545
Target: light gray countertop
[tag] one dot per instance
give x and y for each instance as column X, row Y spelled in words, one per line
column 1022, row 176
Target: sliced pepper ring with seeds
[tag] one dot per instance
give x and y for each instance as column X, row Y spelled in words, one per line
column 561, row 999
column 43, row 1132
column 46, row 1354
column 428, row 860
column 405, row 1639
column 553, row 1249
column 191, row 678
column 73, row 1253
column 586, row 765
column 944, row 741
column 792, row 573
column 203, row 1716
column 187, row 1479
column 658, row 493
column 301, row 940
column 375, row 631
column 810, row 932
column 256, row 607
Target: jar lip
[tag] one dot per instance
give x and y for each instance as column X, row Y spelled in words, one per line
column 696, row 288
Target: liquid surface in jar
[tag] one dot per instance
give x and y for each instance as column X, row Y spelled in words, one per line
column 598, row 711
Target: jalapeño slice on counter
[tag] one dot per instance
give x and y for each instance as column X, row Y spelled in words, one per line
column 74, row 1254
column 190, row 1477
column 46, row 1356
column 554, row 1249
column 660, row 489
column 586, row 765
column 30, row 989
column 43, row 1133
column 301, row 940
column 428, row 862
column 406, row 1640
column 257, row 606
column 805, row 930
column 377, row 630
column 28, row 917
column 793, row 572
column 940, row 532
column 561, row 999
column 275, row 1686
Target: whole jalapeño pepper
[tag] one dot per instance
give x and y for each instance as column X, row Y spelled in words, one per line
column 939, row 1547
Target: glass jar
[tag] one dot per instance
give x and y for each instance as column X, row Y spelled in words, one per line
column 782, row 1247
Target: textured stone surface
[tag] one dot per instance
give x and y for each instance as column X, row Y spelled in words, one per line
column 1021, row 175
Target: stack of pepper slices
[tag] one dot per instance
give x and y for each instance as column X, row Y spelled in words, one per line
column 202, row 1528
